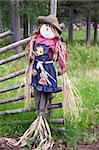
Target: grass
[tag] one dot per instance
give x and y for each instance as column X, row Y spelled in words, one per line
column 84, row 73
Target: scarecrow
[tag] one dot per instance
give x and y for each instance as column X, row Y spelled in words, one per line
column 46, row 48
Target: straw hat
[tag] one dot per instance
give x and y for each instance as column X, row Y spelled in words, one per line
column 50, row 19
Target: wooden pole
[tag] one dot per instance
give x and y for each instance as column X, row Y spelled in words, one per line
column 13, row 99
column 14, row 57
column 58, row 121
column 14, row 45
column 53, row 7
column 95, row 30
column 70, row 27
column 21, row 110
column 17, row 98
column 15, row 22
column 62, row 129
column 15, row 111
column 56, row 105
column 12, row 75
column 31, row 120
column 4, row 34
column 11, row 88
column 88, row 29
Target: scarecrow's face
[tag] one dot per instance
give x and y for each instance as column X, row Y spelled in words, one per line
column 47, row 32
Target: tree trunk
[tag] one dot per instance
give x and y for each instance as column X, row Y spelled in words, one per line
column 88, row 29
column 47, row 6
column 53, row 9
column 25, row 21
column 31, row 25
column 1, row 26
column 70, row 35
column 95, row 31
column 15, row 23
column 25, row 26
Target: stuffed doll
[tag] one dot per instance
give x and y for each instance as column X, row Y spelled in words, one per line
column 46, row 48
column 44, row 77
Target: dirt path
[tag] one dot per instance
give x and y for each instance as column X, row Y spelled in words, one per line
column 59, row 145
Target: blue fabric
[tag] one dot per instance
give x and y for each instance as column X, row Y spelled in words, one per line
column 50, row 70
column 46, row 48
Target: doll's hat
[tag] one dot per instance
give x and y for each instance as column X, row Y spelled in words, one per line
column 50, row 19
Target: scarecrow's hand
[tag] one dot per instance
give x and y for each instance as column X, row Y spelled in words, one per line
column 62, row 63
column 62, row 71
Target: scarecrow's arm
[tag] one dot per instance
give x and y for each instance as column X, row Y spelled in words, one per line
column 62, row 56
column 31, row 55
column 31, row 46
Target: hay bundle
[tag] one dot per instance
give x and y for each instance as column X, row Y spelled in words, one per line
column 39, row 132
column 71, row 98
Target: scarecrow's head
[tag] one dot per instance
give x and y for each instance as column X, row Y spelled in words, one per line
column 49, row 27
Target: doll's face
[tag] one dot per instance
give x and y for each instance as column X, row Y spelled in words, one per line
column 47, row 32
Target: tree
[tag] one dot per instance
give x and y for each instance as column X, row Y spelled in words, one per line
column 95, row 19
column 95, row 30
column 70, row 28
column 15, row 22
column 25, row 20
column 5, row 15
column 47, row 6
column 53, row 8
column 88, row 28
column 0, row 20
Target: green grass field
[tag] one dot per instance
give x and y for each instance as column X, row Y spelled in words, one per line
column 83, row 70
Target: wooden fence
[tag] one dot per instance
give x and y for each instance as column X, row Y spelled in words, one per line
column 15, row 74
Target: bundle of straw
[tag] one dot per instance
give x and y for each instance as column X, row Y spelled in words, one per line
column 28, row 73
column 71, row 98
column 39, row 132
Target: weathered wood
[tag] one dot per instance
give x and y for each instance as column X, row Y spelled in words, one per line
column 70, row 29
column 58, row 121
column 14, row 111
column 11, row 88
column 17, row 98
column 4, row 34
column 88, row 28
column 62, row 129
column 14, row 45
column 56, row 105
column 21, row 110
column 14, row 57
column 30, row 121
column 12, row 75
column 53, row 8
column 95, row 30
column 13, row 99
column 15, row 22
column 22, row 97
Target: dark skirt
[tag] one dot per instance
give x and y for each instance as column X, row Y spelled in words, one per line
column 45, row 79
